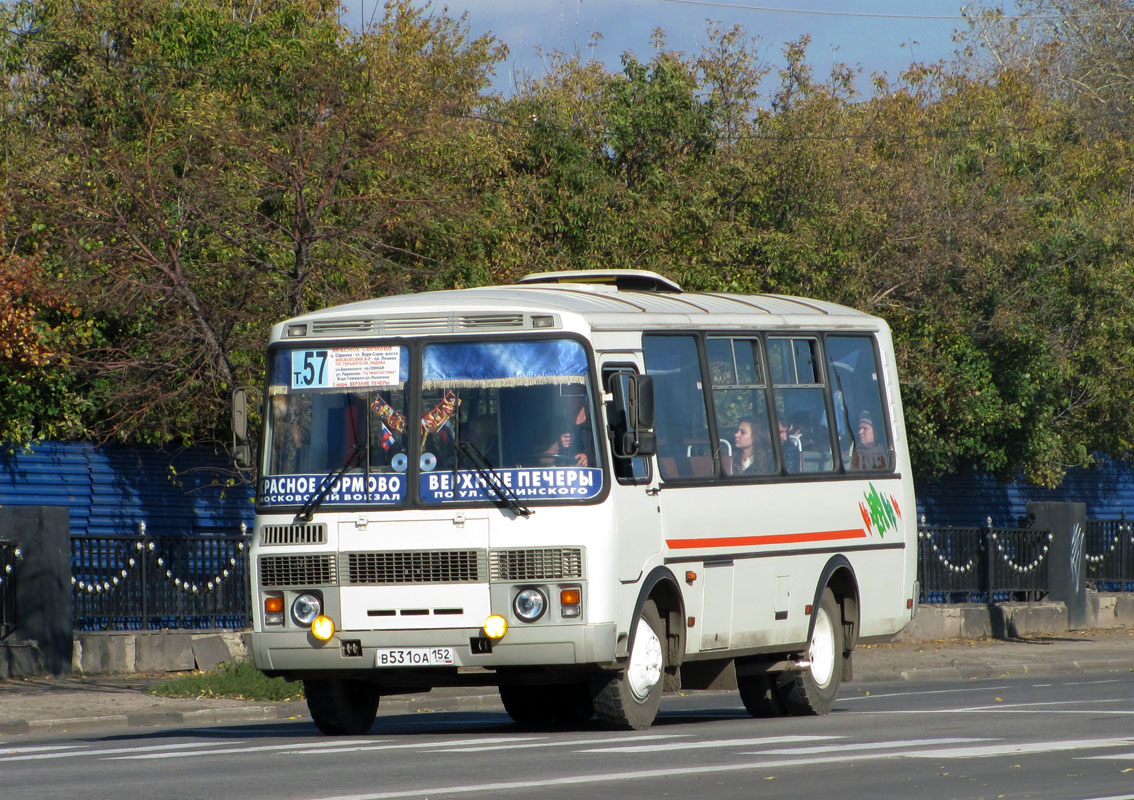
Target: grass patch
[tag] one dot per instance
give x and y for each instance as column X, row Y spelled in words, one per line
column 240, row 681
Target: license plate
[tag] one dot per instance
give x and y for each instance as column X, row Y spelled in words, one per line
column 413, row 656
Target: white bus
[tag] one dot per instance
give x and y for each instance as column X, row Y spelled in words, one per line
column 585, row 489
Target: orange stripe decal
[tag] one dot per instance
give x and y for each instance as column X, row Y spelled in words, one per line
column 776, row 538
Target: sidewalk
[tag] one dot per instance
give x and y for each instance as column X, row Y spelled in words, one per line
column 49, row 706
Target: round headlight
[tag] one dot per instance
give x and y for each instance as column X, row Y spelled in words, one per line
column 529, row 604
column 305, row 608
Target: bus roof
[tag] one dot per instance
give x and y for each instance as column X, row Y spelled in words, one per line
column 604, row 299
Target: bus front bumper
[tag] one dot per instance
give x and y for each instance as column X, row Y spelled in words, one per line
column 297, row 652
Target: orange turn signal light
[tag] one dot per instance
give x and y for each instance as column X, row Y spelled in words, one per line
column 569, row 597
column 273, row 605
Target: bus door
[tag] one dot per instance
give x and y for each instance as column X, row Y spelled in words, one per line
column 635, row 494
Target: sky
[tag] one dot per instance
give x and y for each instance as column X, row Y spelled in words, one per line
column 876, row 35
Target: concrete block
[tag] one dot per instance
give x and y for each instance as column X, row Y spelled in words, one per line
column 210, row 651
column 27, row 660
column 931, row 624
column 1102, row 610
column 1124, row 611
column 976, row 623
column 1034, row 619
column 165, row 651
column 104, row 653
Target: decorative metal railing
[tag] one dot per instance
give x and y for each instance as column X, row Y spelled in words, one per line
column 982, row 565
column 142, row 583
column 10, row 557
column 1108, row 550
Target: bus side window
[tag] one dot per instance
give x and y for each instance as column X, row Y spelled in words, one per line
column 681, row 421
column 863, row 429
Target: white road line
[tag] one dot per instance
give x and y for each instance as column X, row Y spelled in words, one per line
column 105, row 751
column 847, row 748
column 315, row 748
column 712, row 744
column 921, row 694
column 572, row 743
column 684, row 772
column 1019, row 748
column 15, row 751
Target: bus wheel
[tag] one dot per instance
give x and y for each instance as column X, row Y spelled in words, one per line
column 538, row 705
column 629, row 698
column 760, row 696
column 813, row 689
column 341, row 707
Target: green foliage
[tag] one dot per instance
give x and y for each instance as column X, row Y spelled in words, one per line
column 187, row 174
column 240, row 681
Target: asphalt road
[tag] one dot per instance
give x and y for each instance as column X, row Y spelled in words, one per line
column 1066, row 736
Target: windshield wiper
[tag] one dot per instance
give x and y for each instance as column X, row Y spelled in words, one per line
column 331, row 478
column 487, row 473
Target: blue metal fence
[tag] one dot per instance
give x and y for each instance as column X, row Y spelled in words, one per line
column 982, row 565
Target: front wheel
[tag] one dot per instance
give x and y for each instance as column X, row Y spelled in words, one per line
column 813, row 689
column 341, row 707
column 630, row 698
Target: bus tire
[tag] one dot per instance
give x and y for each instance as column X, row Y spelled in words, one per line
column 760, row 695
column 629, row 699
column 813, row 690
column 341, row 707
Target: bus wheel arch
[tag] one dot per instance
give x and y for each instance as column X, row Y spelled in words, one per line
column 814, row 686
column 628, row 699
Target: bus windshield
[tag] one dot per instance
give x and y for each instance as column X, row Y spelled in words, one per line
column 522, row 407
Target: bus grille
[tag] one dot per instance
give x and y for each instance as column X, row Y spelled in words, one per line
column 426, row 566
column 308, row 570
column 294, row 534
column 539, row 564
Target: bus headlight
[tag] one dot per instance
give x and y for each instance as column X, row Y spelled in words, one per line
column 529, row 604
column 305, row 608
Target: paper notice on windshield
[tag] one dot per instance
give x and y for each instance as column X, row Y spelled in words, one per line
column 346, row 368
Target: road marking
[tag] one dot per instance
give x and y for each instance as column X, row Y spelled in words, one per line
column 1019, row 748
column 106, row 751
column 711, row 744
column 848, row 748
column 572, row 743
column 919, row 694
column 702, row 770
column 15, row 751
column 315, row 748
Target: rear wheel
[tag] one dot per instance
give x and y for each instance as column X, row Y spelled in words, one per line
column 760, row 695
column 813, row 690
column 341, row 707
column 629, row 699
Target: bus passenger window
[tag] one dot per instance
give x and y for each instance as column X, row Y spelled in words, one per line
column 740, row 404
column 680, row 419
column 863, row 435
column 801, row 406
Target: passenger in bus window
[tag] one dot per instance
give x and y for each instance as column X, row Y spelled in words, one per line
column 792, row 446
column 868, row 452
column 582, row 444
column 750, row 453
column 561, row 451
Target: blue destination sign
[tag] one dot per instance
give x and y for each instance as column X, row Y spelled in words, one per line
column 379, row 489
column 526, row 484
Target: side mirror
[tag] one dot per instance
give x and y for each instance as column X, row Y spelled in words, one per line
column 632, row 415
column 241, row 449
